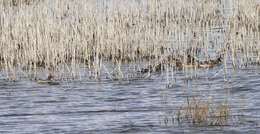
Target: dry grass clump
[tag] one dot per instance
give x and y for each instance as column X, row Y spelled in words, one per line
column 65, row 33
column 19, row 2
column 198, row 112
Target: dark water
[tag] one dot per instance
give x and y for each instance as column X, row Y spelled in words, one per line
column 128, row 106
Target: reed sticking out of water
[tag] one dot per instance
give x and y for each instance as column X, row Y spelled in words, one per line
column 198, row 112
column 53, row 34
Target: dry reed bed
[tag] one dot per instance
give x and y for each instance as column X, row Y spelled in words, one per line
column 61, row 34
column 201, row 110
column 205, row 112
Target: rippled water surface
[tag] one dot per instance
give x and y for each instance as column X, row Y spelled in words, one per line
column 136, row 104
column 128, row 106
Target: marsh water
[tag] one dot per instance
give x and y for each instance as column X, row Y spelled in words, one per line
column 133, row 105
column 136, row 103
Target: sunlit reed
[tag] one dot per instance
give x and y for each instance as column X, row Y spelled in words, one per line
column 60, row 35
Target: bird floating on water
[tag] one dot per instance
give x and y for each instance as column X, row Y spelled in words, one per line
column 48, row 80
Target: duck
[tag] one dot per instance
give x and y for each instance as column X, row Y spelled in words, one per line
column 210, row 63
column 206, row 64
column 159, row 67
column 217, row 61
column 190, row 60
column 48, row 80
column 146, row 70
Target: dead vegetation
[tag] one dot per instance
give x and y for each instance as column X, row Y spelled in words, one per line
column 64, row 34
column 205, row 112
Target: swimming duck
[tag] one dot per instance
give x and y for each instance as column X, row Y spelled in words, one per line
column 159, row 67
column 189, row 60
column 206, row 64
column 48, row 80
column 146, row 70
column 218, row 61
